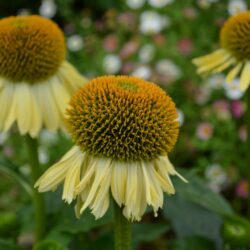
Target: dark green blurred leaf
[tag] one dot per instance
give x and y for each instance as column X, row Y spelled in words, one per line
column 189, row 219
column 236, row 231
column 8, row 245
column 148, row 232
column 63, row 238
column 8, row 223
column 194, row 243
column 197, row 192
column 9, row 170
column 48, row 245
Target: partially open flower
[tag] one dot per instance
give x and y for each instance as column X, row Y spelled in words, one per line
column 35, row 80
column 123, row 128
column 234, row 51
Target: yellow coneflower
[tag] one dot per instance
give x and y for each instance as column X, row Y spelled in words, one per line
column 35, row 80
column 234, row 51
column 123, row 128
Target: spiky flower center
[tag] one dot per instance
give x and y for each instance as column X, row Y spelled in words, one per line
column 124, row 118
column 235, row 35
column 31, row 48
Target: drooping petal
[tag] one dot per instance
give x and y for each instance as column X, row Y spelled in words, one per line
column 214, row 56
column 60, row 95
column 101, row 169
column 57, row 173
column 154, row 194
column 8, row 106
column 36, row 119
column 11, row 115
column 72, row 178
column 118, row 182
column 131, row 189
column 224, row 65
column 214, row 64
column 70, row 77
column 23, row 107
column 48, row 106
column 245, row 76
column 233, row 72
column 101, row 203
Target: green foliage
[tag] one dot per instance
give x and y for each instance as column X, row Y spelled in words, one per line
column 48, row 245
column 198, row 193
column 193, row 242
column 236, row 231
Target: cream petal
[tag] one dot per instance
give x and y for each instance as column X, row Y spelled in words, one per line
column 101, row 202
column 154, row 195
column 7, row 104
column 170, row 168
column 70, row 77
column 23, row 107
column 118, row 182
column 60, row 94
column 131, row 189
column 101, row 168
column 225, row 65
column 72, row 179
column 51, row 115
column 245, row 76
column 233, row 72
column 36, row 121
column 87, row 177
column 166, row 183
column 11, row 115
column 214, row 56
column 57, row 173
column 214, row 65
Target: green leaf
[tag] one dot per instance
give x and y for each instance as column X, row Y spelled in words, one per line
column 236, row 231
column 148, row 232
column 190, row 219
column 197, row 192
column 70, row 224
column 17, row 177
column 8, row 223
column 194, row 243
column 48, row 245
column 8, row 245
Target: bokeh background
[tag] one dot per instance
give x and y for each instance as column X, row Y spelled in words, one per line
column 155, row 40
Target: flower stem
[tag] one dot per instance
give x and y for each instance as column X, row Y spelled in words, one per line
column 122, row 230
column 38, row 199
column 248, row 142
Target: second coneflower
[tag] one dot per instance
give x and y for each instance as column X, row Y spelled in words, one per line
column 123, row 128
column 234, row 52
column 36, row 81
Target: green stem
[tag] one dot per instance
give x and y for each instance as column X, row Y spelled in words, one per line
column 248, row 142
column 38, row 199
column 122, row 230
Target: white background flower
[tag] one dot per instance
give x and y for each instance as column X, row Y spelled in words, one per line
column 135, row 4
column 236, row 6
column 75, row 43
column 159, row 3
column 232, row 90
column 48, row 8
column 152, row 23
column 112, row 64
column 146, row 53
column 168, row 68
column 142, row 72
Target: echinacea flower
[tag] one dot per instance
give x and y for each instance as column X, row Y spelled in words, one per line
column 35, row 80
column 234, row 51
column 123, row 127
